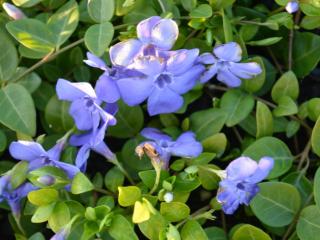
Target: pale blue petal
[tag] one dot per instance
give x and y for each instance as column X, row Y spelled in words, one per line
column 207, row 58
column 144, row 28
column 123, row 53
column 265, row 166
column 209, row 74
column 186, row 146
column 164, row 34
column 245, row 70
column 154, row 134
column 96, row 62
column 241, row 168
column 228, row 78
column 182, row 61
column 228, row 52
column 107, row 89
column 71, row 91
column 26, row 150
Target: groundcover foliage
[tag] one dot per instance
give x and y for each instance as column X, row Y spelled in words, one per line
column 160, row 119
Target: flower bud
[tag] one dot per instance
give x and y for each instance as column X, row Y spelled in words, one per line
column 168, row 197
column 292, row 6
column 46, row 180
column 13, row 11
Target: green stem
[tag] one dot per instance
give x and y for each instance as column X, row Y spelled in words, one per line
column 163, row 9
column 119, row 165
column 17, row 219
column 194, row 216
column 157, row 181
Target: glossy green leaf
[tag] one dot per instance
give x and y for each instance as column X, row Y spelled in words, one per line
column 60, row 217
column 264, row 120
column 152, row 228
column 19, row 174
column 101, row 10
column 286, row 106
column 31, row 81
column 42, row 213
column 215, row 233
column 80, row 184
column 310, row 22
column 64, row 22
column 286, row 85
column 272, row 147
column 217, row 143
column 113, row 179
column 17, row 109
column 313, row 108
column 9, row 57
column 174, row 211
column 43, row 196
column 98, row 37
column 281, row 200
column 265, row 42
column 33, row 34
column 141, row 212
column 121, row 229
column 193, row 230
column 249, row 232
column 202, row 11
column 237, row 105
column 208, row 122
column 308, row 226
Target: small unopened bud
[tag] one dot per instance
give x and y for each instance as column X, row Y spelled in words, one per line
column 168, row 197
column 46, row 180
column 292, row 6
column 13, row 11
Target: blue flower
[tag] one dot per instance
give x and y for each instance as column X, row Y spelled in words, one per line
column 14, row 196
column 185, row 145
column 240, row 185
column 85, row 107
column 38, row 157
column 225, row 63
column 292, row 6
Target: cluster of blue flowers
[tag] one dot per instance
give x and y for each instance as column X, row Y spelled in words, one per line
column 144, row 69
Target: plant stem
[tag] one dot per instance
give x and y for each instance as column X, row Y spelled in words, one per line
column 157, row 181
column 163, row 9
column 194, row 215
column 291, row 35
column 304, row 154
column 106, row 192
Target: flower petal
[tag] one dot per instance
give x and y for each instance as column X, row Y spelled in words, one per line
column 186, row 146
column 82, row 157
column 107, row 89
column 164, row 34
column 292, row 6
column 182, row 61
column 122, row 53
column 26, row 150
column 71, row 91
column 186, row 81
column 55, row 152
column 69, row 169
column 265, row 165
column 228, row 78
column 228, row 52
column 84, row 119
column 148, row 65
column 154, row 134
column 164, row 101
column 104, row 150
column 245, row 70
column 241, row 168
column 210, row 73
column 96, row 62
column 135, row 90
column 144, row 28
column 207, row 58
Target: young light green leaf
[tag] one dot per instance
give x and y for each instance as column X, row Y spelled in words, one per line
column 287, row 85
column 59, row 217
column 202, row 11
column 286, row 106
column 121, row 229
column 98, row 37
column 128, row 195
column 64, row 22
column 174, row 211
column 43, row 196
column 33, row 34
column 26, row 3
column 81, row 184
column 17, row 109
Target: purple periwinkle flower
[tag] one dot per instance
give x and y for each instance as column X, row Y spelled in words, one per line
column 185, row 145
column 163, row 82
column 225, row 63
column 292, row 6
column 85, row 107
column 240, row 185
column 14, row 196
column 13, row 11
column 37, row 157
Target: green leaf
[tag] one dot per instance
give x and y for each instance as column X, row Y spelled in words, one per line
column 141, row 212
column 81, row 184
column 306, row 53
column 202, row 11
column 174, row 211
column 3, row 141
column 192, row 230
column 113, row 179
column 264, row 120
column 310, row 22
column 98, row 37
column 57, row 115
column 17, row 108
column 308, row 226
column 316, row 187
column 217, row 143
column 281, row 200
column 287, row 85
column 286, row 107
column 208, row 179
column 19, row 174
column 37, row 236
column 129, row 121
column 101, row 10
column 172, row 233
column 265, row 42
column 152, row 228
column 26, row 3
column 121, row 229
column 42, row 213
column 256, row 83
column 310, row 10
column 247, row 32
column 272, row 147
column 313, row 108
column 64, row 22
column 227, row 28
column 43, row 196
column 315, row 138
column 9, row 57
column 215, row 233
column 189, row 4
column 237, row 105
column 31, row 81
column 32, row 34
column 128, row 195
column 59, row 217
column 208, row 122
column 292, row 128
column 148, row 177
column 249, row 232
